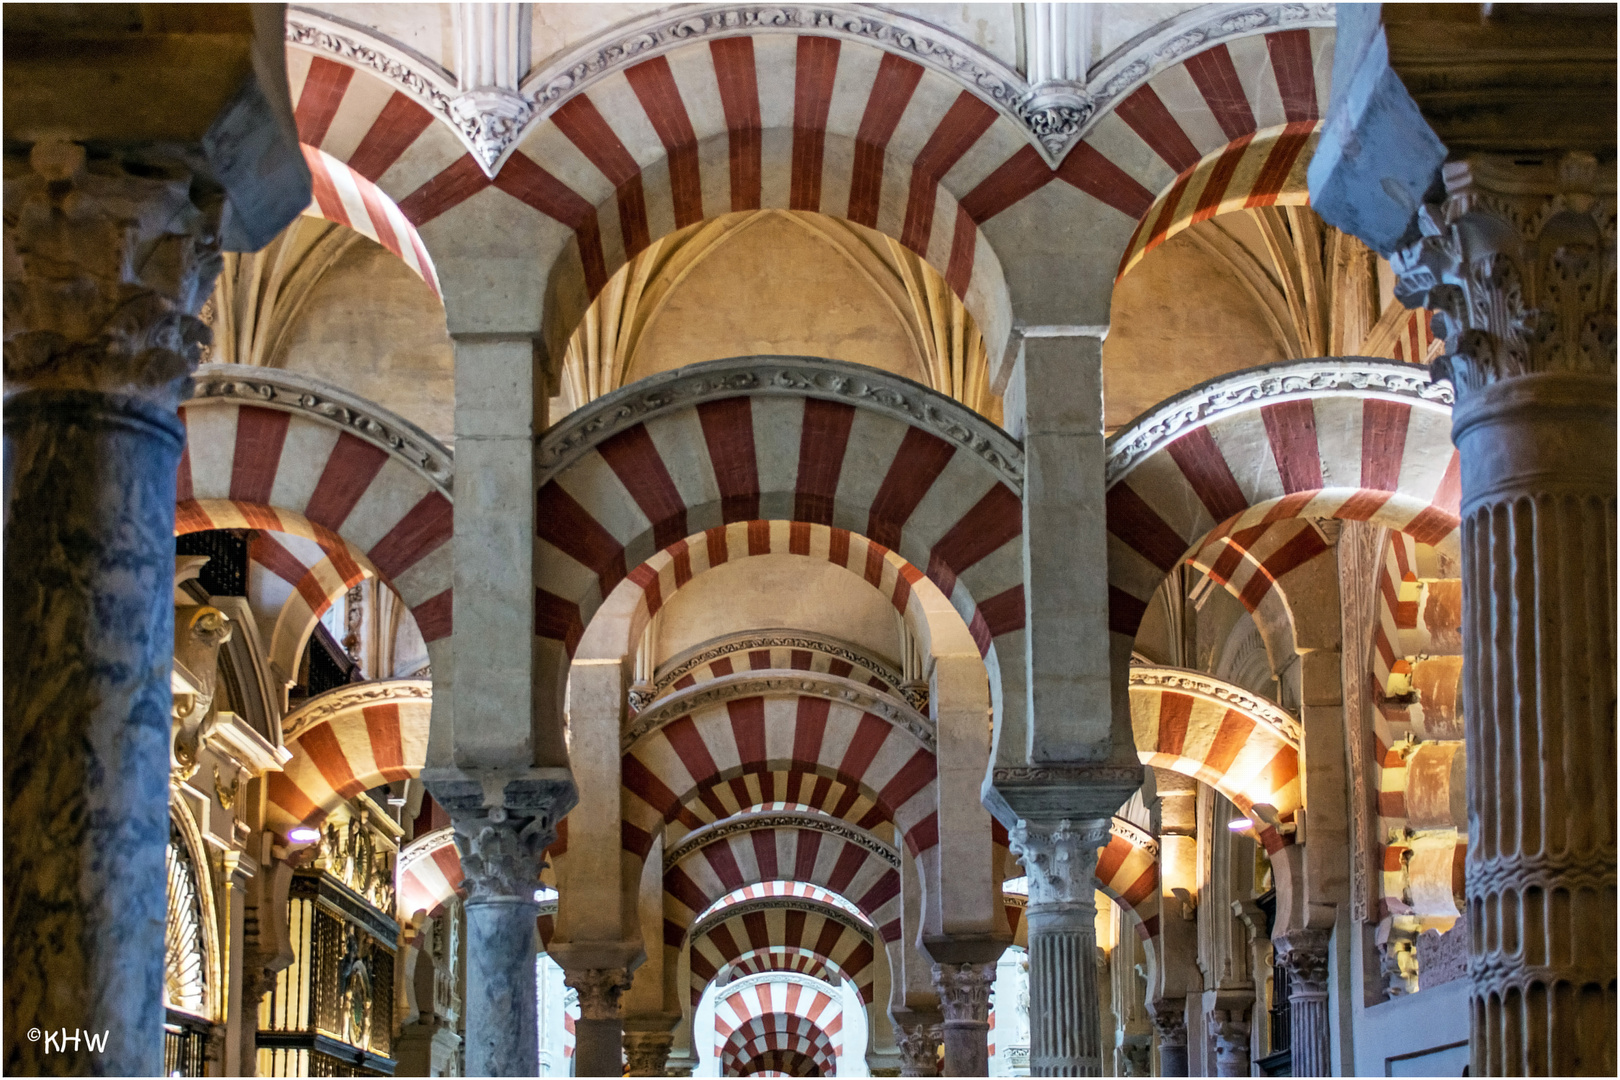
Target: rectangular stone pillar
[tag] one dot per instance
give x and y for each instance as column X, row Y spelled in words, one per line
column 1058, row 382
column 500, row 408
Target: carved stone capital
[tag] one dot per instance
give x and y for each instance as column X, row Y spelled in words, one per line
column 964, row 991
column 599, row 991
column 503, row 824
column 490, row 120
column 1060, row 859
column 645, row 1052
column 105, row 271
column 1169, row 1018
column 919, row 1046
column 1517, row 262
column 1305, row 954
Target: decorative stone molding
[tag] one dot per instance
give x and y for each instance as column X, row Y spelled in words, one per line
column 730, row 687
column 1184, row 681
column 288, row 391
column 780, row 376
column 1054, row 115
column 1060, row 860
column 599, row 991
column 778, row 639
column 504, row 821
column 1134, row 834
column 782, row 903
column 1353, row 376
column 964, row 990
column 106, row 272
column 1517, row 263
column 333, row 703
column 781, row 819
column 422, row 848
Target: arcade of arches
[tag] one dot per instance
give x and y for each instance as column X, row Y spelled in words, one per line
column 985, row 539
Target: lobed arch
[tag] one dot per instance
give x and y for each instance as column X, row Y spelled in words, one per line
column 1353, row 438
column 835, row 937
column 275, row 450
column 347, row 741
column 826, row 742
column 785, row 845
column 768, row 438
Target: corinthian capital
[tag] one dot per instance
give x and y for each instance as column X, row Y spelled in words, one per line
column 1305, row 954
column 599, row 990
column 503, row 824
column 107, row 264
column 1517, row 262
column 964, row 990
column 1060, row 859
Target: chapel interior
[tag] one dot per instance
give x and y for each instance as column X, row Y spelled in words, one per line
column 810, row 540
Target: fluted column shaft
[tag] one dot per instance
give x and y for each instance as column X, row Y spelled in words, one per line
column 1305, row 954
column 1065, row 1036
column 1519, row 263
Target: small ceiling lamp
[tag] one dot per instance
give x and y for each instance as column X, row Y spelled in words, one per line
column 303, row 834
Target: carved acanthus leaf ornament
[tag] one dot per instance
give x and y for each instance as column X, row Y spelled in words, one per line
column 1518, row 265
column 1060, row 860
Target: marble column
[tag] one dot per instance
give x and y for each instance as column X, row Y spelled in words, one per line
column 1061, row 861
column 918, row 1038
column 1305, row 954
column 105, row 270
column 1518, row 263
column 1170, row 1025
column 964, row 1000
column 503, row 824
column 599, row 1034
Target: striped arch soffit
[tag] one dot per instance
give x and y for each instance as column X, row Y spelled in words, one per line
column 1242, row 745
column 792, row 845
column 1127, row 873
column 835, row 937
column 790, row 995
column 1254, row 565
column 1352, row 438
column 347, row 741
column 347, row 198
column 857, row 113
column 785, row 1040
column 814, row 442
column 780, row 649
column 709, row 753
column 286, row 453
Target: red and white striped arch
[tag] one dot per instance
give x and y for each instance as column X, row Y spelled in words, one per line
column 428, row 873
column 1258, row 168
column 730, row 754
column 780, row 1017
column 781, row 959
column 745, row 123
column 829, row 933
column 749, row 654
column 626, row 493
column 674, row 567
column 1285, row 449
column 347, row 198
column 295, row 472
column 843, row 866
column 1197, row 727
column 347, row 741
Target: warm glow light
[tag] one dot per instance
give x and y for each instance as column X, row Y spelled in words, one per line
column 1238, row 824
column 303, row 834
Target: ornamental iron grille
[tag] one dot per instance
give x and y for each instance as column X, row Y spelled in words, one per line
column 331, row 1011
